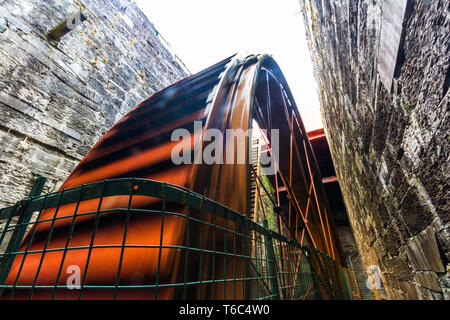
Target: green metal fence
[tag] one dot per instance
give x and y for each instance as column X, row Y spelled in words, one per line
column 222, row 255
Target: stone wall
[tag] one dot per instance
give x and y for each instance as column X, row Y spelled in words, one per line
column 349, row 248
column 382, row 69
column 58, row 99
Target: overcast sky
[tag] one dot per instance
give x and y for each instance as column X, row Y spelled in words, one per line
column 203, row 32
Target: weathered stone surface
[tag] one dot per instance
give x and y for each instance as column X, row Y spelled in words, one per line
column 57, row 101
column 427, row 279
column 426, row 294
column 446, row 294
column 442, row 235
column 416, row 214
column 8, row 235
column 389, row 139
column 408, row 290
column 423, row 252
column 444, row 281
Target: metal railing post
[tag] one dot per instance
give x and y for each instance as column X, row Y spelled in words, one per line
column 20, row 230
column 347, row 282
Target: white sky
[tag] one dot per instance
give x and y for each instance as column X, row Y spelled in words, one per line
column 203, row 32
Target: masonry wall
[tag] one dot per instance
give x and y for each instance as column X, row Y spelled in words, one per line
column 57, row 100
column 382, row 69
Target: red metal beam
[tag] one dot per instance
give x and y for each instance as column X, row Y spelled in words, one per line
column 316, row 134
column 329, row 179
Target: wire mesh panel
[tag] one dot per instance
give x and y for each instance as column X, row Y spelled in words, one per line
column 143, row 239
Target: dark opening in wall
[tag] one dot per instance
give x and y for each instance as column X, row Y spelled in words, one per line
column 400, row 154
column 400, row 60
